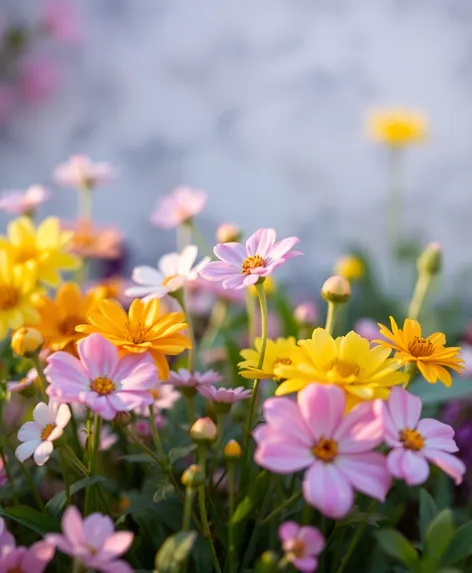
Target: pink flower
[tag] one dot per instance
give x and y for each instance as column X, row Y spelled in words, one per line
column 217, row 291
column 60, row 20
column 143, row 427
column 23, row 202
column 224, row 395
column 367, row 328
column 20, row 385
column 416, row 442
column 306, row 313
column 39, row 79
column 302, row 545
column 93, row 541
column 108, row 437
column 185, row 379
column 241, row 266
column 164, row 396
column 178, row 207
column 313, row 434
column 6, row 538
column 3, row 480
column 81, row 172
column 101, row 380
column 26, row 559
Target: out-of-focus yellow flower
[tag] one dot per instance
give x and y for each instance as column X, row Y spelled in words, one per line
column 26, row 341
column 350, row 267
column 18, row 288
column 429, row 354
column 280, row 351
column 397, row 127
column 269, row 286
column 362, row 371
column 44, row 247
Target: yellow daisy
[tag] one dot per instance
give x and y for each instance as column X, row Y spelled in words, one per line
column 45, row 247
column 280, row 351
column 350, row 267
column 397, row 127
column 429, row 354
column 364, row 372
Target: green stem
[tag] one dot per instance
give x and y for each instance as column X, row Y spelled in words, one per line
column 9, row 475
column 251, row 317
column 72, row 458
column 65, row 474
column 155, row 436
column 231, row 527
column 330, row 316
column 422, row 285
column 215, row 323
column 217, row 447
column 36, row 362
column 93, row 462
column 189, row 494
column 190, row 401
column 77, row 567
column 287, row 503
column 32, row 486
column 81, row 273
column 184, row 235
column 84, row 204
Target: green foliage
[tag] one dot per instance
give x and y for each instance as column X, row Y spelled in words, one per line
column 56, row 503
column 254, row 497
column 30, row 518
column 174, row 552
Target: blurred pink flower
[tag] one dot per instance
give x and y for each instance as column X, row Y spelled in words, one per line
column 108, row 437
column 306, row 313
column 164, row 395
column 3, row 481
column 302, row 545
column 93, row 242
column 60, row 19
column 6, row 538
column 19, row 385
column 23, row 202
column 224, row 395
column 81, row 172
column 215, row 289
column 26, row 559
column 178, row 207
column 185, row 379
column 39, row 78
column 143, row 427
column 368, row 329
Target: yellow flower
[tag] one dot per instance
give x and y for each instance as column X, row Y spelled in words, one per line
column 280, row 351
column 269, row 286
column 18, row 288
column 397, row 127
column 429, row 354
column 362, row 371
column 350, row 267
column 142, row 329
column 45, row 247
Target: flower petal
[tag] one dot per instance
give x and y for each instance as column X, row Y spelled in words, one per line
column 282, row 456
column 407, row 465
column 26, row 450
column 361, row 429
column 98, row 355
column 326, row 488
column 43, row 415
column 405, row 409
column 43, row 452
column 367, row 473
column 322, row 408
column 233, row 254
column 451, row 465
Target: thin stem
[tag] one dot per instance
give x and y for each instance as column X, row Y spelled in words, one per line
column 84, row 203
column 32, row 486
column 72, row 457
column 9, row 475
column 231, row 531
column 189, row 494
column 36, row 362
column 155, row 436
column 215, row 323
column 217, row 447
column 330, row 316
column 190, row 401
column 184, row 235
column 77, row 567
column 65, row 475
column 422, row 285
column 287, row 503
column 251, row 317
column 93, row 462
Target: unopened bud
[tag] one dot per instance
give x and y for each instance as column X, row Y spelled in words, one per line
column 306, row 313
column 121, row 420
column 232, row 450
column 203, row 431
column 350, row 267
column 336, row 289
column 228, row 233
column 267, row 563
column 26, row 341
column 193, row 477
column 430, row 260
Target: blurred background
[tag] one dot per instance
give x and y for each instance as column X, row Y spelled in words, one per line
column 261, row 104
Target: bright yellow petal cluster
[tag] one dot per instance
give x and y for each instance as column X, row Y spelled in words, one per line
column 350, row 267
column 44, row 247
column 397, row 127
column 362, row 371
column 18, row 289
column 429, row 354
column 280, row 351
column 142, row 329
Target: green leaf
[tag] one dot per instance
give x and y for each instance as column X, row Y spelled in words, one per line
column 396, row 545
column 356, row 516
column 139, row 459
column 31, row 518
column 461, row 545
column 54, row 505
column 175, row 551
column 428, row 511
column 164, row 490
column 253, row 498
column 181, row 452
column 438, row 535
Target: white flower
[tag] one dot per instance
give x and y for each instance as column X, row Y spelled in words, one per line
column 81, row 172
column 173, row 271
column 38, row 436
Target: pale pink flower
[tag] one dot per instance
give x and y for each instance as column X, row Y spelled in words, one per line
column 23, row 202
column 94, row 242
column 143, row 427
column 6, row 538
column 100, row 379
column 336, row 450
column 224, row 395
column 108, row 437
column 80, row 172
column 368, row 329
column 185, row 379
column 178, row 207
column 306, row 313
column 242, row 266
column 216, row 290
column 416, row 442
column 61, row 21
column 173, row 271
column 164, row 397
column 20, row 385
column 466, row 355
column 38, row 436
column 39, row 78
column 26, row 559
column 93, row 541
column 302, row 545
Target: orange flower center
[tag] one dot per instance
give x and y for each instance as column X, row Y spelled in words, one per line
column 47, row 431
column 411, row 439
column 103, row 386
column 325, row 450
column 298, row 549
column 67, row 326
column 9, row 297
column 283, row 360
column 155, row 394
column 167, row 280
column 136, row 332
column 343, row 369
column 253, row 262
column 84, row 239
column 420, row 347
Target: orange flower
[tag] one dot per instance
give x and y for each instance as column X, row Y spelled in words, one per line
column 95, row 242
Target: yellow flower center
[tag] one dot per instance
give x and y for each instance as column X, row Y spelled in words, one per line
column 282, row 360
column 420, row 347
column 155, row 394
column 298, row 549
column 84, row 239
column 9, row 297
column 167, row 280
column 253, row 262
column 47, row 431
column 103, row 386
column 343, row 369
column 136, row 332
column 25, row 253
column 325, row 450
column 67, row 326
column 411, row 439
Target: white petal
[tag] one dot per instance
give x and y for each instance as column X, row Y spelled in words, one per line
column 146, row 291
column 169, row 264
column 188, row 256
column 146, row 275
column 29, row 431
column 24, row 451
column 43, row 452
column 63, row 416
column 43, row 414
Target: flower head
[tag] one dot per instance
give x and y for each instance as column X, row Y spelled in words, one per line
column 80, row 172
column 350, row 267
column 416, row 442
column 178, row 207
column 95, row 242
column 302, row 545
column 335, row 449
column 26, row 559
column 203, row 430
column 185, row 379
column 164, row 397
column 279, row 351
column 38, row 78
column 242, row 266
column 173, row 271
column 228, row 233
column 306, row 313
column 224, row 395
column 397, row 127
column 23, row 202
column 38, row 436
column 430, row 354
column 19, row 385
column 100, row 379
column 60, row 20
column 336, row 289
column 26, row 341
column 93, row 541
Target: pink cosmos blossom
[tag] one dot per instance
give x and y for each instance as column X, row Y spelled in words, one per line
column 60, row 20
column 93, row 541
column 178, row 207
column 108, row 437
column 20, row 385
column 38, row 436
column 39, row 79
column 416, row 442
column 302, row 545
column 242, row 266
column 185, row 379
column 336, row 450
column 23, row 202
column 306, row 313
column 26, row 559
column 224, row 395
column 143, row 427
column 100, row 379
column 81, row 172
column 6, row 538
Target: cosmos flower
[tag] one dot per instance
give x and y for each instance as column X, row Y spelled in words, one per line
column 302, row 545
column 91, row 242
column 80, row 172
column 185, row 379
column 23, row 202
column 178, row 207
column 19, row 385
column 224, row 395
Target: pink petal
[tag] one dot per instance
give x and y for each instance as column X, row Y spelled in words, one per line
column 118, row 566
column 64, row 366
column 260, row 242
column 72, row 525
column 38, row 556
column 98, row 355
column 306, row 564
column 438, row 435
column 282, row 247
column 322, row 408
column 391, row 432
column 97, row 529
column 143, row 377
column 128, row 363
column 367, row 473
column 284, row 458
column 361, row 430
column 408, row 465
column 117, row 544
column 288, row 531
column 313, row 540
column 449, row 464
column 43, row 452
column 250, row 280
column 231, row 253
column 284, row 414
column 100, row 405
column 217, row 271
column 235, row 282
column 326, row 488
column 405, row 408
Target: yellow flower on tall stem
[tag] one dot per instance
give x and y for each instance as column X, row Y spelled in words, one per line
column 430, row 354
column 350, row 267
column 280, row 351
column 397, row 127
column 44, row 247
column 143, row 329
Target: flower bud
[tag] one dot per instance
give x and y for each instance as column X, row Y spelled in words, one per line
column 430, row 260
column 26, row 341
column 228, row 233
column 336, row 289
column 267, row 563
column 193, row 477
column 306, row 313
column 203, row 431
column 350, row 267
column 232, row 450
column 121, row 420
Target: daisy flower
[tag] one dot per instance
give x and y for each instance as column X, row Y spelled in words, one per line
column 23, row 202
column 242, row 266
column 181, row 205
column 80, row 172
column 224, row 395
column 301, row 545
column 38, row 436
column 279, row 351
column 185, row 379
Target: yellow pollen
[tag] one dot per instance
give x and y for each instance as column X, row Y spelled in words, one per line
column 298, row 549
column 136, row 332
column 47, row 431
column 9, row 297
column 325, row 450
column 253, row 262
column 420, row 347
column 167, row 280
column 343, row 369
column 103, row 386
column 411, row 439
column 283, row 360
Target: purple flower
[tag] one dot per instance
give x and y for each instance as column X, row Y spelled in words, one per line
column 224, row 395
column 6, row 538
column 302, row 545
column 185, row 379
column 242, row 266
column 26, row 559
column 178, row 207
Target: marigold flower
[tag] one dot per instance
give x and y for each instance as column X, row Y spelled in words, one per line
column 80, row 172
column 302, row 545
column 350, row 267
column 141, row 329
column 178, row 207
column 279, row 351
column 92, row 242
column 362, row 371
column 397, row 127
column 23, row 202
column 430, row 354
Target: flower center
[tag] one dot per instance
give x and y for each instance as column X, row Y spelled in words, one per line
column 103, row 386
column 25, row 253
column 136, row 332
column 298, row 549
column 253, row 262
column 47, row 431
column 167, row 280
column 67, row 326
column 155, row 394
column 343, row 369
column 411, row 439
column 9, row 297
column 420, row 347
column 325, row 450
column 282, row 360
